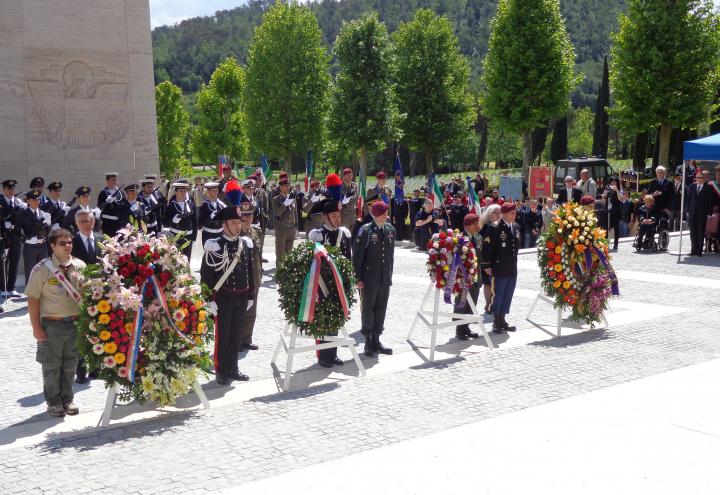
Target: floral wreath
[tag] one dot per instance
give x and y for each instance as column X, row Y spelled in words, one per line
column 452, row 263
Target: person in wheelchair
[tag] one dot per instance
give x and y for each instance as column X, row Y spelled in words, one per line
column 648, row 216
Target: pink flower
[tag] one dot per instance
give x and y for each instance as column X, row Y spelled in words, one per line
column 123, row 372
column 109, row 362
column 92, row 310
column 98, row 349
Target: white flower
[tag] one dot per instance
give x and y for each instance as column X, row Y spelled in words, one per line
column 92, row 310
column 109, row 362
column 98, row 349
column 92, row 326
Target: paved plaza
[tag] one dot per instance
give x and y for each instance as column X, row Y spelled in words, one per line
column 407, row 409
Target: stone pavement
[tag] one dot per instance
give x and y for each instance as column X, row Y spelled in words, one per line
column 665, row 319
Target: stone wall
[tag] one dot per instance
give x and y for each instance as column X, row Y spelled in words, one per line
column 76, row 91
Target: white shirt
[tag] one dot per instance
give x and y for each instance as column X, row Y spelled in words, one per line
column 85, row 239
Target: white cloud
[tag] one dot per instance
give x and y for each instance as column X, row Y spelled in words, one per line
column 164, row 12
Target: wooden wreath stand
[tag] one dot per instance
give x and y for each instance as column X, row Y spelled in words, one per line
column 115, row 390
column 455, row 319
column 558, row 331
column 292, row 332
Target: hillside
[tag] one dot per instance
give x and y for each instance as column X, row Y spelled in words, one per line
column 188, row 53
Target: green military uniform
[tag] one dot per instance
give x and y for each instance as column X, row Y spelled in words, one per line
column 247, row 320
column 285, row 221
column 314, row 219
column 59, row 354
column 349, row 205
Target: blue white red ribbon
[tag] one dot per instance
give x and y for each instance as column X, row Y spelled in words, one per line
column 309, row 296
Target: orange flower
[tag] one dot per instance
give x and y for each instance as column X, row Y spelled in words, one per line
column 556, row 284
column 550, row 245
column 558, row 267
column 580, row 248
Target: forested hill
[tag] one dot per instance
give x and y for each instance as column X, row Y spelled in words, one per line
column 188, row 53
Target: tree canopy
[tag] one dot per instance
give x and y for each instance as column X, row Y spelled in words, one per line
column 172, row 127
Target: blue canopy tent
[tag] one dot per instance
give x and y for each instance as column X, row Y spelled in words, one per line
column 706, row 148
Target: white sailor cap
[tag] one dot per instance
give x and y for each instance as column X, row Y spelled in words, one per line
column 211, row 185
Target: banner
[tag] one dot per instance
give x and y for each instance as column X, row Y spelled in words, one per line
column 540, row 182
column 399, row 180
column 222, row 161
column 510, row 188
column 434, row 191
column 475, row 205
column 362, row 194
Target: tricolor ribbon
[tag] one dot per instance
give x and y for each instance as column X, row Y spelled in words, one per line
column 138, row 323
column 457, row 266
column 581, row 268
column 309, row 296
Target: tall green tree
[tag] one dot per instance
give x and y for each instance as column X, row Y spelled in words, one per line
column 286, row 91
column 601, row 126
column 220, row 128
column 559, row 143
column 173, row 123
column 363, row 107
column 664, row 67
column 529, row 67
column 580, row 138
column 432, row 90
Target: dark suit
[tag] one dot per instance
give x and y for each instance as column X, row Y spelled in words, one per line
column 699, row 206
column 80, row 250
column 667, row 190
column 563, row 196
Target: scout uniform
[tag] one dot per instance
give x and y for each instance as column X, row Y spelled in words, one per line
column 285, row 220
column 108, row 200
column 209, row 216
column 499, row 253
column 373, row 257
column 12, row 238
column 56, row 286
column 349, row 199
column 339, row 238
column 180, row 219
column 35, row 228
column 228, row 268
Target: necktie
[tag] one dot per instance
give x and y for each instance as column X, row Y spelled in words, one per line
column 90, row 246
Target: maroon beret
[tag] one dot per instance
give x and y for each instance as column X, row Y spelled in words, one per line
column 470, row 219
column 347, row 171
column 378, row 208
column 284, row 182
column 507, row 207
column 587, row 200
column 381, row 175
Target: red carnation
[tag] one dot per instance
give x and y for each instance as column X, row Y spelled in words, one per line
column 137, row 280
column 124, row 272
column 443, row 235
column 115, row 335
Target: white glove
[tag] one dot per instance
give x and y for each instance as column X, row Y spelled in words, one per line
column 135, row 207
column 212, row 308
column 55, row 226
column 345, row 200
column 212, row 215
column 315, row 198
column 110, row 199
column 176, row 219
column 250, row 304
column 289, row 201
column 8, row 225
column 47, row 218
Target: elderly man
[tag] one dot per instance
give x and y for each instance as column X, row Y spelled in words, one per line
column 662, row 190
column 53, row 291
column 587, row 185
column 699, row 205
column 570, row 194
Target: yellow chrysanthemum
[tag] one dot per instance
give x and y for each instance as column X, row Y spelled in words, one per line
column 105, row 335
column 104, row 319
column 556, row 284
column 181, row 325
column 566, row 284
column 128, row 327
column 119, row 358
column 202, row 315
column 558, row 267
column 201, row 327
column 446, row 268
column 110, row 347
column 103, row 306
column 558, row 250
column 173, row 303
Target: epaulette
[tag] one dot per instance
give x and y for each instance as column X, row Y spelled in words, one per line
column 212, row 245
column 345, row 231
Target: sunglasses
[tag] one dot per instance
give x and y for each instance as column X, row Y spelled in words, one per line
column 64, row 243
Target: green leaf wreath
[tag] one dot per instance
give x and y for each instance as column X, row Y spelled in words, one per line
column 329, row 317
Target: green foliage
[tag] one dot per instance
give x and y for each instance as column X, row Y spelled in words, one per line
column 601, row 127
column 329, row 317
column 363, row 106
column 287, row 84
column 580, row 132
column 173, row 123
column 528, row 70
column 503, row 146
column 220, row 117
column 664, row 64
column 431, row 76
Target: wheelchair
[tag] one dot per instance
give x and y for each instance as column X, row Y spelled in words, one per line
column 658, row 240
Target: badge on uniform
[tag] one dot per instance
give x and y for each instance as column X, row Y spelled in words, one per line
column 503, row 238
column 374, row 237
column 53, row 281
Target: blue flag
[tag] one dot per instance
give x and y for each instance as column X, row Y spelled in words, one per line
column 399, row 180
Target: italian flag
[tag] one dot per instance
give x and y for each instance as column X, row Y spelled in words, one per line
column 435, row 192
column 475, row 206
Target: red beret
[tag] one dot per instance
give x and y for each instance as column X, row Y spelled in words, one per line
column 378, row 208
column 507, row 208
column 347, row 171
column 227, row 167
column 470, row 218
column 284, row 182
column 500, row 201
column 315, row 183
column 587, row 200
column 381, row 175
column 283, row 175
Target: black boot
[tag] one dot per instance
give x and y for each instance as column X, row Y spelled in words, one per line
column 461, row 333
column 369, row 349
column 505, row 325
column 497, row 324
column 379, row 348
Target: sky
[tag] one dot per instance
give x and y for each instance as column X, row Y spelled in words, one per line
column 173, row 11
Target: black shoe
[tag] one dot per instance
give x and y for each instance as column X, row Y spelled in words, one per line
column 472, row 334
column 379, row 348
column 505, row 326
column 81, row 379
column 324, row 363
column 222, row 380
column 239, row 377
column 497, row 325
column 250, row 347
column 369, row 349
column 461, row 335
column 338, row 362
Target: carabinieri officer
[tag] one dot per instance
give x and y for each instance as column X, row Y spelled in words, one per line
column 373, row 258
column 499, row 260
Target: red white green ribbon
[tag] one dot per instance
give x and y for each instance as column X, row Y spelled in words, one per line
column 309, row 296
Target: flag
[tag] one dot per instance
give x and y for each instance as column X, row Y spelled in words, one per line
column 264, row 167
column 475, row 205
column 435, row 192
column 399, row 180
column 222, row 161
column 362, row 194
column 309, row 170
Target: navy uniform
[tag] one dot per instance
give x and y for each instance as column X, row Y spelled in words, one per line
column 180, row 219
column 499, row 254
column 57, row 208
column 11, row 206
column 338, row 237
column 34, row 225
column 108, row 200
column 38, row 184
column 131, row 209
column 69, row 222
column 209, row 216
column 373, row 258
column 154, row 205
column 231, row 296
column 463, row 332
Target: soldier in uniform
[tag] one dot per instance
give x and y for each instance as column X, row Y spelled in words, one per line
column 159, row 191
column 314, row 218
column 499, row 260
column 53, row 291
column 249, row 231
column 131, row 210
column 180, row 218
column 262, row 205
column 229, row 269
column 209, row 215
column 82, row 198
column 34, row 224
column 373, row 257
column 56, row 207
column 38, row 184
column 153, row 205
column 349, row 199
column 227, row 176
column 108, row 200
column 471, row 225
column 12, row 239
column 332, row 233
column 285, row 219
column 383, row 192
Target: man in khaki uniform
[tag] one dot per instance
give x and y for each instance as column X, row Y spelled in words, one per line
column 53, row 291
column 349, row 199
column 285, row 213
column 314, row 218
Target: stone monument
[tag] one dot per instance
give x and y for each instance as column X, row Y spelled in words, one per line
column 76, row 92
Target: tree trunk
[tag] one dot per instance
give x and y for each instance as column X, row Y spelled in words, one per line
column 363, row 160
column 527, row 151
column 413, row 164
column 288, row 164
column 640, row 151
column 665, row 134
column 429, row 162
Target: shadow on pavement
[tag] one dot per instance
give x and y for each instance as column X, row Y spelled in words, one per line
column 296, row 394
column 581, row 338
column 31, row 400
